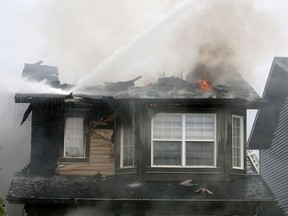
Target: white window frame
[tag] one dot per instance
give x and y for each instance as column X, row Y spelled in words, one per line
column 183, row 142
column 65, row 137
column 241, row 142
column 122, row 149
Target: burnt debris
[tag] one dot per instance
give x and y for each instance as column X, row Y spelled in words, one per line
column 122, row 85
column 43, row 73
column 38, row 72
column 27, row 113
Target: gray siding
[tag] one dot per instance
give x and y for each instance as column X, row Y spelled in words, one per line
column 274, row 161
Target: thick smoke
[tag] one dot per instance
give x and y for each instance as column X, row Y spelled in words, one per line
column 233, row 35
column 79, row 35
column 230, row 35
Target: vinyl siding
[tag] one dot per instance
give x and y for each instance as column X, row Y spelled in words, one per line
column 274, row 161
column 101, row 157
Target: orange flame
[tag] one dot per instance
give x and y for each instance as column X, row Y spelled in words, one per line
column 204, row 85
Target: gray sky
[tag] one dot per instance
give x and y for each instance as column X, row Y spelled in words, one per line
column 143, row 37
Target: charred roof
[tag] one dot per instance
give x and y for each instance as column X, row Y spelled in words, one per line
column 234, row 87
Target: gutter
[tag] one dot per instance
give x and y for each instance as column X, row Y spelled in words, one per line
column 43, row 200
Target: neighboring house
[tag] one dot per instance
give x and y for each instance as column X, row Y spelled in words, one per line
column 270, row 132
column 175, row 147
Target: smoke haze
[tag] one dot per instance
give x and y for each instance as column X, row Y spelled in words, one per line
column 132, row 38
column 226, row 34
column 80, row 35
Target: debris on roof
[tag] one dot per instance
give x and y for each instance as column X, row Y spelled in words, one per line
column 122, row 85
column 165, row 88
column 187, row 183
column 203, row 190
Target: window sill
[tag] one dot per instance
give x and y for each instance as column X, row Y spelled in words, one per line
column 238, row 168
column 235, row 171
column 207, row 170
column 184, row 167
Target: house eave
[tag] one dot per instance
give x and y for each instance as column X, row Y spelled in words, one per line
column 275, row 94
column 51, row 200
column 42, row 98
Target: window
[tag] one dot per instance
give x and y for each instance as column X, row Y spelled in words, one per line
column 74, row 145
column 127, row 146
column 184, row 140
column 237, row 142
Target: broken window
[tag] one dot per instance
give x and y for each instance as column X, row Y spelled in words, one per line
column 74, row 145
column 237, row 142
column 127, row 146
column 185, row 140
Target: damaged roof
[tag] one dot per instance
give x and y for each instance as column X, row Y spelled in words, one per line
column 227, row 87
column 166, row 88
column 31, row 189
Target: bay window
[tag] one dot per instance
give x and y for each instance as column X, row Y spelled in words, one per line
column 237, row 142
column 183, row 140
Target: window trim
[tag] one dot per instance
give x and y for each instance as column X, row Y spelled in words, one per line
column 241, row 118
column 61, row 158
column 84, row 138
column 122, row 148
column 183, row 142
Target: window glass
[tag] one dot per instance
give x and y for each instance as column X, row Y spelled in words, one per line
column 200, row 127
column 74, row 137
column 127, row 146
column 167, row 153
column 237, row 142
column 175, row 133
column 167, row 126
column 199, row 153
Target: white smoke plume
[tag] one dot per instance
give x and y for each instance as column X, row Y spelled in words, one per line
column 176, row 37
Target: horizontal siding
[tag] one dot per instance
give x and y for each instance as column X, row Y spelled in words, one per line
column 101, row 158
column 274, row 161
column 274, row 157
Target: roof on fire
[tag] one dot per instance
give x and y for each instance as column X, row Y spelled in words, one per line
column 275, row 94
column 33, row 189
column 234, row 87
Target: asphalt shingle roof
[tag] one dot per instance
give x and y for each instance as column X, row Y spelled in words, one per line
column 26, row 188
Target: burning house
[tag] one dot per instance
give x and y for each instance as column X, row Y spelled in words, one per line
column 175, row 147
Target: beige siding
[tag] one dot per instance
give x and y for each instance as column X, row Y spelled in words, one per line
column 101, row 157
